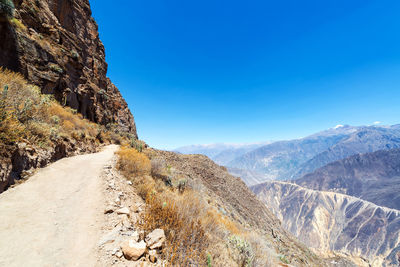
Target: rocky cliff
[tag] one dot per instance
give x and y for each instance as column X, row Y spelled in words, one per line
column 55, row 45
column 330, row 221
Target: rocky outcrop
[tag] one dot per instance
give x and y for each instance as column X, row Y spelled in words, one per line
column 330, row 221
column 374, row 177
column 56, row 46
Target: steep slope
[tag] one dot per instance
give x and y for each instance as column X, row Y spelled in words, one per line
column 335, row 222
column 373, row 176
column 56, row 46
column 232, row 197
column 281, row 160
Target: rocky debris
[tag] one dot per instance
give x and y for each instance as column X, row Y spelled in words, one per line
column 120, row 228
column 123, row 210
column 110, row 237
column 133, row 250
column 155, row 239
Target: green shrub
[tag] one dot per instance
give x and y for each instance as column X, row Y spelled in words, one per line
column 7, row 8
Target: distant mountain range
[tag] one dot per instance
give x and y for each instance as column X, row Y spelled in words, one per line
column 289, row 160
column 221, row 153
column 372, row 176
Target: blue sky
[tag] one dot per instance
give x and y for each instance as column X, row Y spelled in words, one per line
column 208, row 71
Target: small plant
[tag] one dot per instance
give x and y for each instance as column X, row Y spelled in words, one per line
column 283, row 259
column 18, row 24
column 75, row 56
column 56, row 68
column 136, row 144
column 245, row 255
column 182, row 185
column 209, row 260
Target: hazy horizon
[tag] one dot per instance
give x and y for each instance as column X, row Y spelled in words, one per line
column 212, row 72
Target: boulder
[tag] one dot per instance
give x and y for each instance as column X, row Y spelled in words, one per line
column 133, row 250
column 155, row 239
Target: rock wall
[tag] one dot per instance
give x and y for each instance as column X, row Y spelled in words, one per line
column 55, row 44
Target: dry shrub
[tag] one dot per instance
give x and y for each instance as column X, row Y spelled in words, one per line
column 25, row 113
column 158, row 167
column 180, row 217
column 132, row 162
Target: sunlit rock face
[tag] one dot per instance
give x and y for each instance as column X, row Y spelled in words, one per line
column 57, row 47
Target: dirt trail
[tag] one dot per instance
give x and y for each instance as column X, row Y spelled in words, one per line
column 55, row 218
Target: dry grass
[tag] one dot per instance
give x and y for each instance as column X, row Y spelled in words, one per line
column 26, row 114
column 133, row 162
column 196, row 232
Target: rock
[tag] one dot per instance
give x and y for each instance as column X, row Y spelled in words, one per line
column 123, row 210
column 114, row 251
column 117, row 201
column 153, row 255
column 109, row 237
column 155, row 239
column 137, row 208
column 125, row 221
column 119, row 254
column 133, row 250
column 129, row 183
column 108, row 210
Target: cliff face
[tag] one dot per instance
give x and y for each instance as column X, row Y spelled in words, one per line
column 55, row 45
column 330, row 221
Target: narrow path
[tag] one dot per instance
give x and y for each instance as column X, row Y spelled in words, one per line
column 55, row 218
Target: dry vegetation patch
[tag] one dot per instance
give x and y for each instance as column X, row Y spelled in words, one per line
column 28, row 115
column 198, row 234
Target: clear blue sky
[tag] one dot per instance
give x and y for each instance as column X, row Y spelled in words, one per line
column 246, row 71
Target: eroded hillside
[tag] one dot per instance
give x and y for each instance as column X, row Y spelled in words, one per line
column 330, row 221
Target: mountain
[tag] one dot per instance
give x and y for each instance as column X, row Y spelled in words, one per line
column 56, row 46
column 286, row 160
column 364, row 140
column 220, row 153
column 372, row 176
column 281, row 160
column 336, row 222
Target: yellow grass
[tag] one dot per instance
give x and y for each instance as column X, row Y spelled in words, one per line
column 25, row 113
